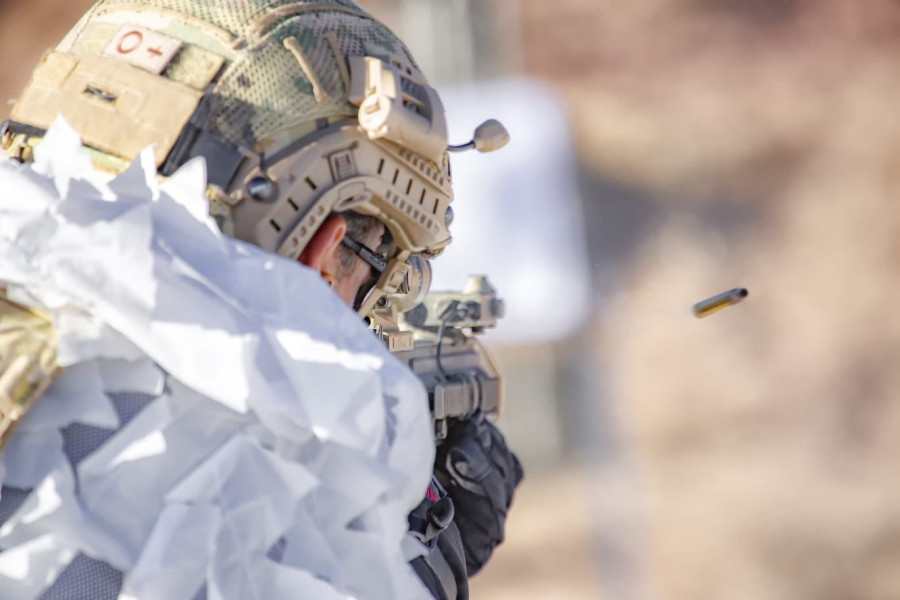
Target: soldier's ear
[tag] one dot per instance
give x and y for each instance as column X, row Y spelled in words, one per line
column 321, row 253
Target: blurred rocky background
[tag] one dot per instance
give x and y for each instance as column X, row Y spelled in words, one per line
column 720, row 143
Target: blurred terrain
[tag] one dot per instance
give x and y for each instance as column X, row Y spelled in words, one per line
column 752, row 144
column 722, row 143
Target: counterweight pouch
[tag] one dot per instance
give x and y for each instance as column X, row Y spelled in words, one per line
column 27, row 362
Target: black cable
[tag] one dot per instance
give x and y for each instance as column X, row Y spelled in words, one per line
column 456, row 311
column 440, row 343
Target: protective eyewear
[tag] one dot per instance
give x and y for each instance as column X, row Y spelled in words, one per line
column 378, row 262
column 408, row 290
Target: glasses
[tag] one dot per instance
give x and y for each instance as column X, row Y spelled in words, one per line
column 368, row 256
column 378, row 262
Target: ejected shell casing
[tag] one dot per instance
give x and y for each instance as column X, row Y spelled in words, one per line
column 718, row 302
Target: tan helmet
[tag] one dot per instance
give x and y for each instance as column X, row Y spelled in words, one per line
column 300, row 109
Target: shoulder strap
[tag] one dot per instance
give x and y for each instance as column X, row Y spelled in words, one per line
column 432, row 515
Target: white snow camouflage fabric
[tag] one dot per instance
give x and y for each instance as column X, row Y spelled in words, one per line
column 274, row 419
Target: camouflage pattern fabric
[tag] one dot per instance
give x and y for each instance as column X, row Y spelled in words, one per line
column 262, row 89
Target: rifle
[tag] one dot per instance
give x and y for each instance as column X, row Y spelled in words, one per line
column 433, row 341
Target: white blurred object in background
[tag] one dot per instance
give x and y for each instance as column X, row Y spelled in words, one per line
column 517, row 211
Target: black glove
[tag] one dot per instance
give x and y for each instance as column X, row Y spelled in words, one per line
column 480, row 474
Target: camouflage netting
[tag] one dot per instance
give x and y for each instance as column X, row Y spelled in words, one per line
column 238, row 16
column 264, row 90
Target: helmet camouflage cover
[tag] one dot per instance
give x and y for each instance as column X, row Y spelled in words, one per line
column 300, row 109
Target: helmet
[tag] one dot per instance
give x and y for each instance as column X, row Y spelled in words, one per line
column 300, row 108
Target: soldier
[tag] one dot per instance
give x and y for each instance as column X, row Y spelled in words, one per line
column 323, row 144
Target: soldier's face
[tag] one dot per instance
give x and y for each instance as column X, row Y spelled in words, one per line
column 323, row 254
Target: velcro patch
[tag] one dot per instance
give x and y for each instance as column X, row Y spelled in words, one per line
column 143, row 48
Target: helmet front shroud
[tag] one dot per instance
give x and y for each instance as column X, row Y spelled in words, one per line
column 301, row 109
